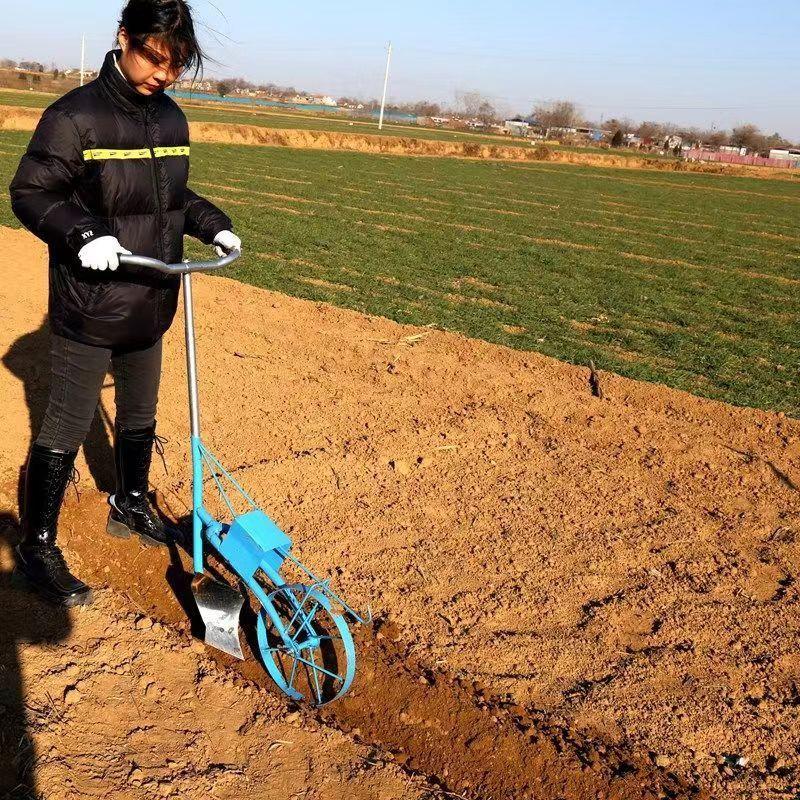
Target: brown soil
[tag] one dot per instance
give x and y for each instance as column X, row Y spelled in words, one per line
column 121, row 706
column 15, row 118
column 617, row 574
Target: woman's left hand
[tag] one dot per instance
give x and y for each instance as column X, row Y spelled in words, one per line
column 227, row 241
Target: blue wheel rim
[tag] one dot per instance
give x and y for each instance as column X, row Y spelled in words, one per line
column 311, row 659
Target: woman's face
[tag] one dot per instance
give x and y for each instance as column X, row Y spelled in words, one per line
column 148, row 70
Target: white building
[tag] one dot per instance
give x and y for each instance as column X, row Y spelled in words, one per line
column 517, row 127
column 737, row 151
column 792, row 155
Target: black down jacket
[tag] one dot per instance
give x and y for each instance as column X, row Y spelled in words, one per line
column 108, row 160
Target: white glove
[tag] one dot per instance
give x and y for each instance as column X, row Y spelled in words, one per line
column 227, row 241
column 102, row 253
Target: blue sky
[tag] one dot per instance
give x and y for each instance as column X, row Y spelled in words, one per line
column 720, row 63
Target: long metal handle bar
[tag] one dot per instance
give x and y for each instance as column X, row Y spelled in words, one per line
column 191, row 354
column 182, row 268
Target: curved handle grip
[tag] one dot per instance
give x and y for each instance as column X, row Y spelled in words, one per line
column 181, row 268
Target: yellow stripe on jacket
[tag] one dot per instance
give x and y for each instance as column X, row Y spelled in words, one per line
column 160, row 152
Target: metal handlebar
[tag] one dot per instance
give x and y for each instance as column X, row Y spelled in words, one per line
column 182, row 268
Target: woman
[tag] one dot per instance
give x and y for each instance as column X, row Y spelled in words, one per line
column 105, row 173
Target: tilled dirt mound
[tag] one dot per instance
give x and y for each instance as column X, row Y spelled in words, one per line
column 618, row 573
column 15, row 118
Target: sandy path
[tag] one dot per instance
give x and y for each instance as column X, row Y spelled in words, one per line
column 621, row 568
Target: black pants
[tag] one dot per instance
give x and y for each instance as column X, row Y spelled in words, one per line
column 77, row 372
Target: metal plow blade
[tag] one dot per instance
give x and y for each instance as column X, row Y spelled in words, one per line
column 219, row 606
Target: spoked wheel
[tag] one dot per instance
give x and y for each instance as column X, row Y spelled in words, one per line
column 313, row 657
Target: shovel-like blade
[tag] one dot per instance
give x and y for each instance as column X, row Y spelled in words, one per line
column 219, row 606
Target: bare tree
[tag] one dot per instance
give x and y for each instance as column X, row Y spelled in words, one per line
column 426, row 108
column 651, row 131
column 715, row 138
column 625, row 125
column 223, row 88
column 558, row 114
column 475, row 105
column 748, row 136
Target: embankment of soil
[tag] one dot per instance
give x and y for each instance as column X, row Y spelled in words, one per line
column 14, row 118
column 619, row 573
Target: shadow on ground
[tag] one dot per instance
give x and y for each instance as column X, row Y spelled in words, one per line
column 28, row 359
column 26, row 621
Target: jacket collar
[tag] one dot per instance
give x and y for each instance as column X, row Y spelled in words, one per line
column 118, row 88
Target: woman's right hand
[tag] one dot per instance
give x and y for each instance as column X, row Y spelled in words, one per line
column 102, row 253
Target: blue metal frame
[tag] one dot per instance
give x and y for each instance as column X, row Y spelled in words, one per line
column 252, row 545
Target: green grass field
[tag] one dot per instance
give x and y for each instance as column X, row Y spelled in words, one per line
column 689, row 280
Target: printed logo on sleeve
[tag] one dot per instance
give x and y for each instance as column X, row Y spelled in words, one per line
column 87, row 234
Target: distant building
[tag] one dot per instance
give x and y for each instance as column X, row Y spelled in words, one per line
column 733, row 150
column 595, row 134
column 517, row 126
column 782, row 154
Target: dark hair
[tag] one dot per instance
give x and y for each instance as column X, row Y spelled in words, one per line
column 168, row 21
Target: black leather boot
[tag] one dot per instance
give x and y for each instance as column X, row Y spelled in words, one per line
column 131, row 510
column 40, row 562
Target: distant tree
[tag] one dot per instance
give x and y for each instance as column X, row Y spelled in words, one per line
column 223, row 88
column 558, row 114
column 7, row 63
column 425, row 108
column 625, row 125
column 748, row 136
column 618, row 138
column 716, row 138
column 56, row 74
column 776, row 142
column 486, row 113
column 474, row 105
column 651, row 131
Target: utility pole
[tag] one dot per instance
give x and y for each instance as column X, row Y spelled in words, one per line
column 385, row 85
column 83, row 55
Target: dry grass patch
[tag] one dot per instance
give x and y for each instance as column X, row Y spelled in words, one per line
column 323, row 284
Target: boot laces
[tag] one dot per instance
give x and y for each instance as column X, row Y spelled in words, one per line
column 75, row 479
column 159, row 442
